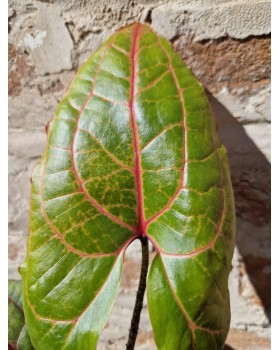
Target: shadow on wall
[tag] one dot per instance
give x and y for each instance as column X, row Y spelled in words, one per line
column 250, row 173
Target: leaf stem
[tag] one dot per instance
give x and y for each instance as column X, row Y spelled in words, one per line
column 140, row 294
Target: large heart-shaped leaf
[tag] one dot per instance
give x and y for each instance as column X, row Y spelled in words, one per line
column 132, row 151
column 18, row 336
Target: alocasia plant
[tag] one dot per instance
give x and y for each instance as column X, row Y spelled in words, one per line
column 132, row 153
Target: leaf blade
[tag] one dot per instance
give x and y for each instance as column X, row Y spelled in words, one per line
column 132, row 151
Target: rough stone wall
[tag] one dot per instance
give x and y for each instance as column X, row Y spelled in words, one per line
column 227, row 45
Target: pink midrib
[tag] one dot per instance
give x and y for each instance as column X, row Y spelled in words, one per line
column 138, row 171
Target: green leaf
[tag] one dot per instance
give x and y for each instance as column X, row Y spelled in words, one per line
column 132, row 151
column 17, row 332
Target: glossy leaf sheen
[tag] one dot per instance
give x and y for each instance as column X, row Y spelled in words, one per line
column 18, row 336
column 132, row 150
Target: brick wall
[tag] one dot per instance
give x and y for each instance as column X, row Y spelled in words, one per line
column 227, row 45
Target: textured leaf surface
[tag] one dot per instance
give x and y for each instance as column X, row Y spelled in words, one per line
column 17, row 332
column 132, row 150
